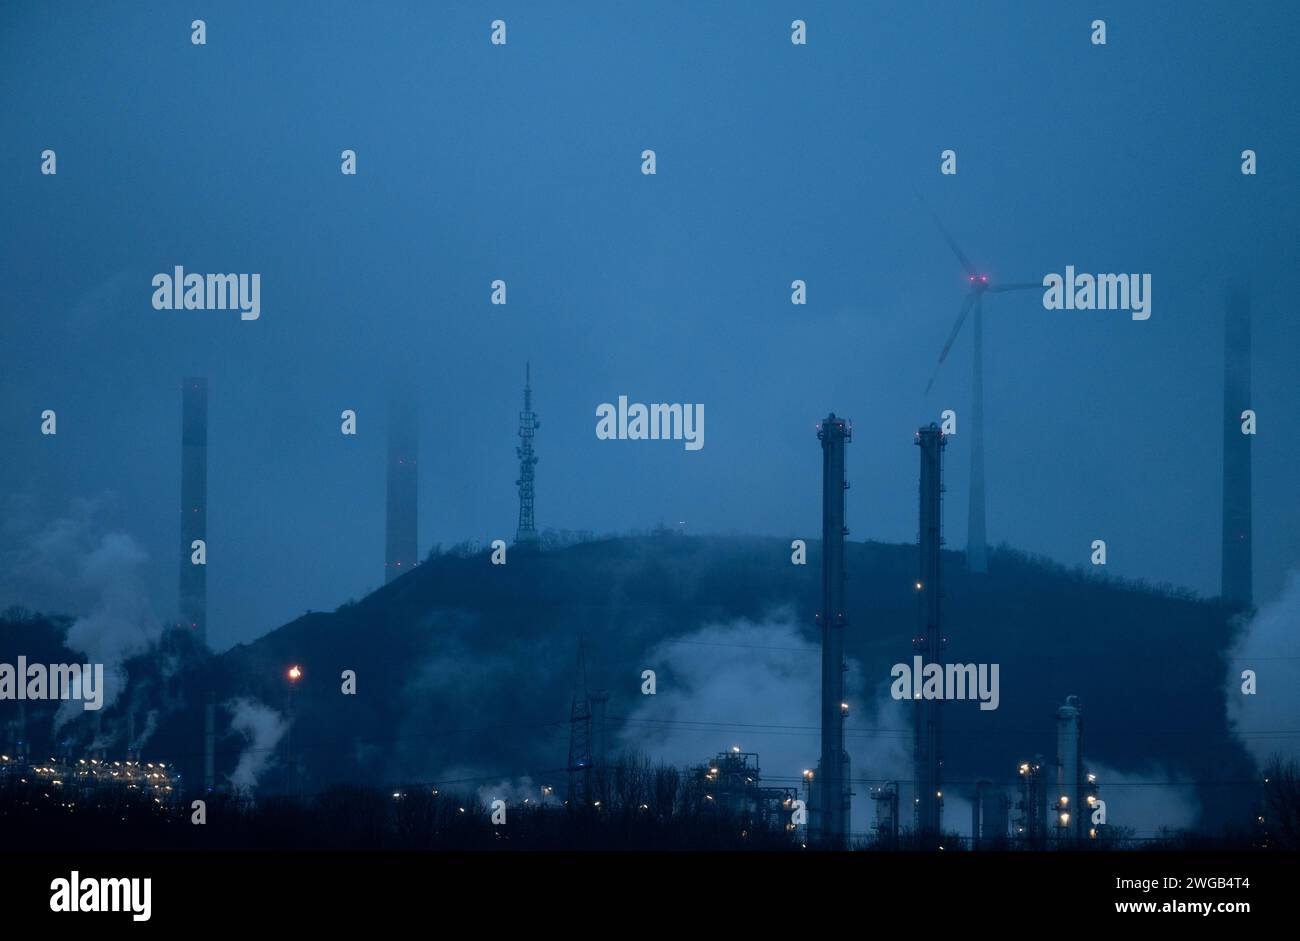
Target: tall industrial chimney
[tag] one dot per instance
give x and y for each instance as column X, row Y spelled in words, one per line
column 401, row 539
column 833, row 796
column 1237, row 580
column 929, row 642
column 194, row 505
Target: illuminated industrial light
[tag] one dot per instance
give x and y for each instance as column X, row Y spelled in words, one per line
column 736, row 749
column 918, row 586
column 1065, row 819
column 295, row 673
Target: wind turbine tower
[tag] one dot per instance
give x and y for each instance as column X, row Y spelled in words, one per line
column 976, row 536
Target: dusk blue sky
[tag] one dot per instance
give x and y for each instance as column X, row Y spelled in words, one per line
column 522, row 162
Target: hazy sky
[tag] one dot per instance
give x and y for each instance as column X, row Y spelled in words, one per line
column 522, row 162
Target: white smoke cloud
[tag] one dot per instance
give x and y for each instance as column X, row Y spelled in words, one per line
column 150, row 726
column 262, row 728
column 103, row 576
column 514, row 793
column 758, row 686
column 1270, row 646
column 1147, row 800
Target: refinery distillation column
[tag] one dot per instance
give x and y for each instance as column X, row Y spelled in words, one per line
column 1236, row 584
column 527, row 532
column 833, row 794
column 929, row 642
column 401, row 535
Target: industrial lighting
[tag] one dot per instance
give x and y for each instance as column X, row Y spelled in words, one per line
column 1065, row 819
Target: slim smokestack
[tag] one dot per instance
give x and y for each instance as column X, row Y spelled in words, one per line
column 927, row 752
column 194, row 505
column 401, row 552
column 833, row 793
column 1237, row 585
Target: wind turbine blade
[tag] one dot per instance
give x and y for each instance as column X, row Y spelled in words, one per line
column 956, row 328
column 952, row 243
column 1018, row 286
column 956, row 249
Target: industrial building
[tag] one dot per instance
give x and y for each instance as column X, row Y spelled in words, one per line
column 990, row 816
column 886, row 825
column 1056, row 800
column 732, row 783
column 95, row 781
column 1030, row 818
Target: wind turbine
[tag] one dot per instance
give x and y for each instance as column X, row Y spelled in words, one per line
column 976, row 538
